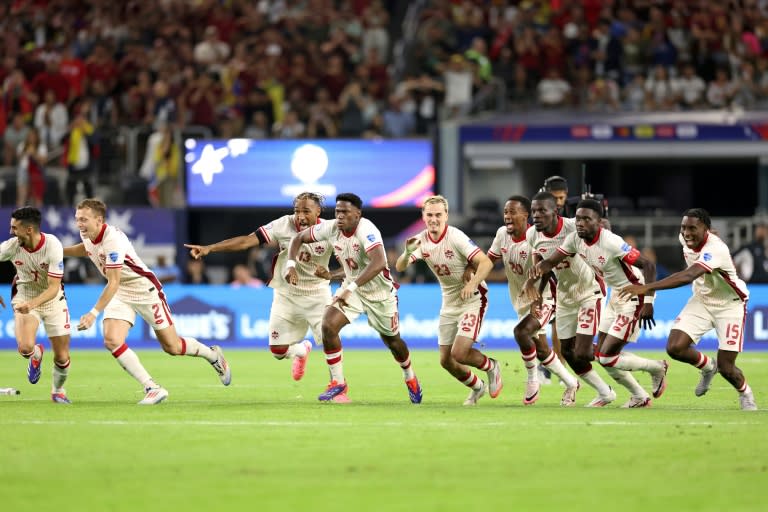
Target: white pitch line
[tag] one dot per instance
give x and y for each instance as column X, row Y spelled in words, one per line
column 394, row 424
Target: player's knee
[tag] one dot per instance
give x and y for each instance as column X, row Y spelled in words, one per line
column 606, row 360
column 676, row 351
column 111, row 344
column 279, row 351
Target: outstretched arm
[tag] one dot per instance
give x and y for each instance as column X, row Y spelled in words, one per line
column 238, row 243
column 75, row 251
column 675, row 280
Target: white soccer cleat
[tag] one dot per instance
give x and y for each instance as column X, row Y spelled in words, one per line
column 474, row 396
column 569, row 395
column 531, row 392
column 221, row 366
column 659, row 380
column 747, row 401
column 154, row 396
column 636, row 402
column 603, row 400
column 706, row 380
column 495, row 384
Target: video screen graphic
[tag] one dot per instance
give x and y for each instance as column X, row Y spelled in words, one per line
column 257, row 173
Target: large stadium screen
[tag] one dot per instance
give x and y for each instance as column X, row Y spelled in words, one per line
column 256, row 173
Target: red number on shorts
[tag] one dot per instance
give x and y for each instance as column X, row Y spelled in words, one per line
column 587, row 315
column 732, row 333
column 66, row 318
column 395, row 322
column 352, row 264
column 305, row 257
column 158, row 317
column 468, row 322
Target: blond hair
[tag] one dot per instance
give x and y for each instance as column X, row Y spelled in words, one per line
column 438, row 199
column 96, row 205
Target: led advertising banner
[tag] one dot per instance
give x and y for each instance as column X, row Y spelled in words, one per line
column 259, row 173
column 239, row 318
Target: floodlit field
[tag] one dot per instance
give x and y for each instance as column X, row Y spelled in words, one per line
column 265, row 443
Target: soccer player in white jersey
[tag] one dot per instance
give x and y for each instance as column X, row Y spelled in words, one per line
column 719, row 302
column 131, row 288
column 619, row 264
column 511, row 247
column 579, row 294
column 367, row 288
column 37, row 296
column 294, row 308
column 447, row 251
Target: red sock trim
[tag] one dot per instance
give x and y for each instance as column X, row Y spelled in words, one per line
column 279, row 351
column 63, row 366
column 702, row 362
column 743, row 387
column 183, row 345
column 586, row 371
column 119, row 350
column 549, row 359
column 529, row 356
column 486, row 364
column 333, row 357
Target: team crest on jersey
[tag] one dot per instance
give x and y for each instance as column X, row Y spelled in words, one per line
column 319, row 249
column 44, row 266
column 523, row 255
column 18, row 263
column 449, row 254
column 356, row 247
column 706, row 256
column 601, row 260
column 113, row 256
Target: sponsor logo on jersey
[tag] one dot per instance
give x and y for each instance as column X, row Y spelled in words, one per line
column 371, row 237
column 706, row 256
column 60, row 265
column 113, row 256
column 626, row 247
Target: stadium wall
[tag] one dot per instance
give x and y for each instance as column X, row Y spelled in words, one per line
column 239, row 318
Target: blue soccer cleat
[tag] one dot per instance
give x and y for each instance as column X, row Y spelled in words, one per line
column 335, row 392
column 60, row 398
column 414, row 390
column 35, row 367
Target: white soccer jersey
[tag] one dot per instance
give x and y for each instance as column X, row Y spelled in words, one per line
column 447, row 257
column 281, row 231
column 112, row 249
column 609, row 256
column 517, row 256
column 34, row 266
column 720, row 286
column 352, row 252
column 576, row 281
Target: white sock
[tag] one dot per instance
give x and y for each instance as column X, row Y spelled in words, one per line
column 553, row 364
column 128, row 359
column 630, row 361
column 59, row 376
column 408, row 372
column 627, row 380
column 297, row 350
column 593, row 379
column 192, row 347
column 530, row 362
column 335, row 365
column 473, row 382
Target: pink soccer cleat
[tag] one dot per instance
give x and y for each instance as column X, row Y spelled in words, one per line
column 300, row 363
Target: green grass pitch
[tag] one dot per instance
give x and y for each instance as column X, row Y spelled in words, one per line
column 265, row 443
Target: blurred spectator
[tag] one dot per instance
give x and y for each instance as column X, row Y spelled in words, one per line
column 553, row 91
column 196, row 272
column 211, row 52
column 458, row 78
column 18, row 96
column 30, row 175
column 659, row 92
column 15, row 134
column 165, row 271
column 689, row 88
column 421, row 96
column 290, row 128
column 396, row 122
column 355, row 110
column 161, row 168
column 52, row 120
column 751, row 260
column 77, row 155
column 258, row 127
column 603, row 95
column 51, row 79
column 721, row 90
column 241, row 276
column 199, row 102
column 634, row 94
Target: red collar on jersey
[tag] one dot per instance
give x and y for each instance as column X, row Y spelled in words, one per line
column 101, row 234
column 706, row 237
column 596, row 238
column 39, row 244
column 557, row 229
column 442, row 235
